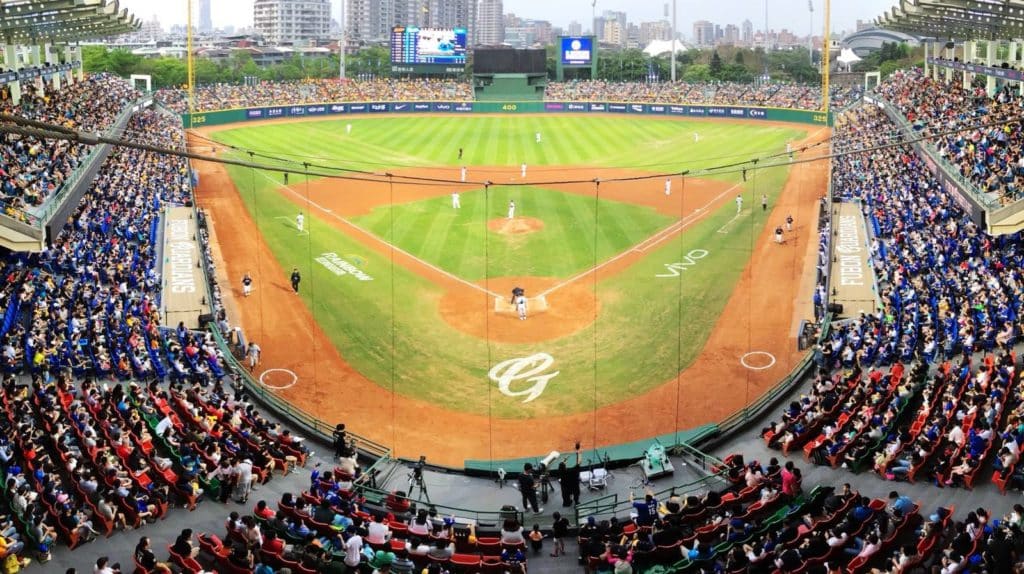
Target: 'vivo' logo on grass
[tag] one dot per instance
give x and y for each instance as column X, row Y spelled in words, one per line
column 691, row 259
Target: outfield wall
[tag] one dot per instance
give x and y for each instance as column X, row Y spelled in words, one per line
column 238, row 115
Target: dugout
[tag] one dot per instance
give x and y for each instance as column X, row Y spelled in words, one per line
column 504, row 74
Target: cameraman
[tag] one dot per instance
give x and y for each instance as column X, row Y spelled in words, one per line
column 569, row 480
column 340, row 441
column 528, row 488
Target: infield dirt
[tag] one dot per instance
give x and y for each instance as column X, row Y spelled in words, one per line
column 759, row 317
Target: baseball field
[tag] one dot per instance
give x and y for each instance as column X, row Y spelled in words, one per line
column 647, row 312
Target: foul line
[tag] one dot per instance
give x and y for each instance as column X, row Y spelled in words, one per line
column 725, row 228
column 383, row 241
column 646, row 244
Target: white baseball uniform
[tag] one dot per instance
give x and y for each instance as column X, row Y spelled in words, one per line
column 696, row 137
column 521, row 307
column 299, row 221
column 537, row 137
column 463, row 174
column 511, row 209
column 668, row 186
column 739, row 203
column 246, row 285
column 348, row 128
column 254, row 355
column 522, row 170
column 455, row 200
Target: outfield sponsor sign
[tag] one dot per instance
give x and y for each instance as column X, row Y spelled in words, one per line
column 342, row 268
column 770, row 114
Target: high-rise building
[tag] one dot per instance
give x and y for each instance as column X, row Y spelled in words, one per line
column 703, row 33
column 575, row 28
column 289, row 21
column 747, row 33
column 651, row 31
column 490, row 25
column 732, row 35
column 372, row 20
column 613, row 33
column 205, row 21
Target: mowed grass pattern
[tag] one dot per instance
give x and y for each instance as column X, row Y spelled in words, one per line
column 459, row 241
column 629, row 142
column 649, row 327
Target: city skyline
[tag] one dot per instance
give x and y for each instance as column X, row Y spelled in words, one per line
column 781, row 14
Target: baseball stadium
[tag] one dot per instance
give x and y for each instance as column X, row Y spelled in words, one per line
column 495, row 309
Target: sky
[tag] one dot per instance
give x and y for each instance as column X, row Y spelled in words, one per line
column 791, row 14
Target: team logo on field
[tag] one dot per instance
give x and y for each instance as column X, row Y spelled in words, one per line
column 527, row 369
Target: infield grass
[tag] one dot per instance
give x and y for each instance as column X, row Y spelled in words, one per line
column 649, row 326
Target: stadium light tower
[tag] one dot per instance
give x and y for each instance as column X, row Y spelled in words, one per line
column 673, row 40
column 341, row 44
column 810, row 34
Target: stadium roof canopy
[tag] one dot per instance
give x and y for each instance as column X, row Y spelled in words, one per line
column 963, row 19
column 38, row 21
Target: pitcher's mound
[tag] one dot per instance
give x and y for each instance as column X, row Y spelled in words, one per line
column 515, row 226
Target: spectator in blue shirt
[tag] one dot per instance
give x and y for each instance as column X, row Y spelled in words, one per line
column 647, row 510
column 903, row 504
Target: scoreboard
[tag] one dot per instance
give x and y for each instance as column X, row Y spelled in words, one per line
column 411, row 45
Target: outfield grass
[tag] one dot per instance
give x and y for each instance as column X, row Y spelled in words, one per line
column 648, row 328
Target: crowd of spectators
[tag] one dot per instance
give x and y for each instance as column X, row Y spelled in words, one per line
column 991, row 157
column 31, row 170
column 780, row 95
column 228, row 96
column 946, row 291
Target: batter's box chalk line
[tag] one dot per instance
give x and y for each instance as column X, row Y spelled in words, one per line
column 534, row 305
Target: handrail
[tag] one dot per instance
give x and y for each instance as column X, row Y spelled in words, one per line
column 479, row 517
column 287, row 410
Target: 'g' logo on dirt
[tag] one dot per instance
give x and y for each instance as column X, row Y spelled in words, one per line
column 525, row 368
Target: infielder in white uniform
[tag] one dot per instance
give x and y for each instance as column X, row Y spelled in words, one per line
column 511, row 209
column 696, row 137
column 537, row 137
column 522, row 170
column 348, row 129
column 455, row 200
column 668, row 186
column 299, row 221
column 246, row 284
column 463, row 174
column 521, row 307
column 739, row 203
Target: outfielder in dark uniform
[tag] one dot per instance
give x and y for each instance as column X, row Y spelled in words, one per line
column 295, row 279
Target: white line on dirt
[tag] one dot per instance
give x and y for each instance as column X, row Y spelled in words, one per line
column 646, row 244
column 383, row 241
column 728, row 224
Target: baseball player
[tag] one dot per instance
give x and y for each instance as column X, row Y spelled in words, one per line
column 739, row 203
column 511, row 209
column 246, row 284
column 696, row 137
column 522, row 170
column 253, row 352
column 455, row 200
column 521, row 306
column 789, row 222
column 764, row 202
column 460, row 153
column 536, row 136
column 463, row 174
column 299, row 221
column 295, row 279
column 778, row 235
column 348, row 129
column 789, row 150
column 668, row 186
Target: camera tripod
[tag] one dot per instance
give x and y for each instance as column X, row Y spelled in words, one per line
column 416, row 482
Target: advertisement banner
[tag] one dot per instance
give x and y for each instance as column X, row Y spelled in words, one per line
column 637, row 108
column 656, row 109
column 554, row 106
column 756, row 114
column 421, row 107
column 598, row 107
column 357, row 108
column 254, row 114
column 463, row 107
column 275, row 112
column 618, row 108
column 379, row 108
column 442, row 107
column 337, row 109
column 580, row 108
column 696, row 111
column 717, row 112
column 296, row 111
column 677, row 110
column 401, row 107
column 316, row 110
